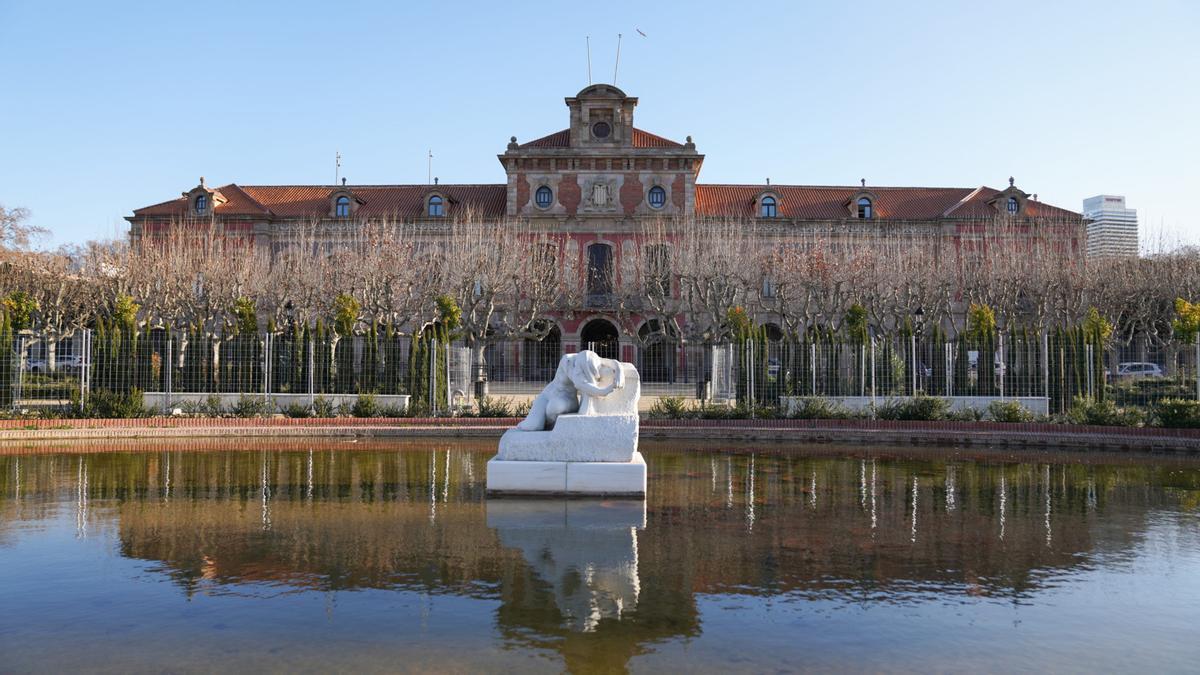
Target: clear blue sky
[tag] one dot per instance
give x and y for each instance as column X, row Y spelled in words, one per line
column 106, row 107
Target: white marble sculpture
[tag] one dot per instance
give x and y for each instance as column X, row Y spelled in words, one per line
column 580, row 379
column 580, row 436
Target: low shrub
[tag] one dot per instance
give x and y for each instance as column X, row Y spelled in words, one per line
column 522, row 408
column 669, row 408
column 297, row 410
column 252, row 405
column 1103, row 413
column 816, row 408
column 490, row 406
column 323, row 407
column 916, row 408
column 715, row 411
column 392, row 411
column 366, row 405
column 1009, row 411
column 417, row 409
column 1177, row 413
column 967, row 414
column 107, row 404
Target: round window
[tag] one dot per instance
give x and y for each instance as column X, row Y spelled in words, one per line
column 601, row 130
column 543, row 197
column 657, row 197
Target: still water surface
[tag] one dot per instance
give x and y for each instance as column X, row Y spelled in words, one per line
column 388, row 557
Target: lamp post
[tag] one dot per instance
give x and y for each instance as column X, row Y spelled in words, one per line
column 918, row 329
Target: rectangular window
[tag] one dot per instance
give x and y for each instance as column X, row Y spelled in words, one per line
column 599, row 271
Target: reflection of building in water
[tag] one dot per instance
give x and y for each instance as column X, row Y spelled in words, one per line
column 586, row 550
column 590, row 584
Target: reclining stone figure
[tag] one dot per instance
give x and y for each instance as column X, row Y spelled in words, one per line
column 576, row 383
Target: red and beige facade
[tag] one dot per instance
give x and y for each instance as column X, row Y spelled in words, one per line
column 595, row 183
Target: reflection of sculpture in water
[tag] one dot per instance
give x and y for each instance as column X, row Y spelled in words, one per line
column 580, row 378
column 585, row 551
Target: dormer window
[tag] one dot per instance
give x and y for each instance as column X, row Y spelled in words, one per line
column 341, row 207
column 201, row 204
column 436, row 207
column 767, row 207
column 1012, row 206
column 544, row 197
column 864, row 208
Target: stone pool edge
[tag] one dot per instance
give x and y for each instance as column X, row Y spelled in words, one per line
column 1176, row 441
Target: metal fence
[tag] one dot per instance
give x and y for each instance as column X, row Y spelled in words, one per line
column 1057, row 369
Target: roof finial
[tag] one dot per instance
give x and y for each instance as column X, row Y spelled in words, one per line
column 768, row 180
column 863, row 181
column 1010, row 181
column 435, row 180
column 343, row 181
column 201, row 181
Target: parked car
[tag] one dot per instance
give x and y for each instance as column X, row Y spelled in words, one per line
column 1138, row 369
column 36, row 366
column 69, row 362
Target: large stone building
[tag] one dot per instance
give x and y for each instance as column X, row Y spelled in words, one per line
column 594, row 182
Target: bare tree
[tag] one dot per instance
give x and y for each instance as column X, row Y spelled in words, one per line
column 15, row 232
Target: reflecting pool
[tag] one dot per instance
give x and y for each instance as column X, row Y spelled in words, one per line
column 387, row 556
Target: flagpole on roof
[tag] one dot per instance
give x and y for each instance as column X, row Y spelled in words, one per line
column 618, row 63
column 589, row 59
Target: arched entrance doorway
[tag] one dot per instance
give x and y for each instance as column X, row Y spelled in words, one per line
column 540, row 358
column 600, row 336
column 656, row 357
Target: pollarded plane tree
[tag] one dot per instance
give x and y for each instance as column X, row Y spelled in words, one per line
column 718, row 271
column 504, row 278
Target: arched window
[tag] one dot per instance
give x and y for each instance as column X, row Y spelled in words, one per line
column 657, row 197
column 544, row 197
column 767, row 207
column 599, row 274
column 435, row 207
column 864, row 208
column 201, row 204
column 342, row 208
column 1013, row 206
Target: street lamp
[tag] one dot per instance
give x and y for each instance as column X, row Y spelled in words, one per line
column 918, row 328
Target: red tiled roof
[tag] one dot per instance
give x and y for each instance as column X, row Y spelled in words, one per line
column 820, row 203
column 488, row 201
column 558, row 139
column 641, row 139
column 645, row 139
column 977, row 206
column 375, row 201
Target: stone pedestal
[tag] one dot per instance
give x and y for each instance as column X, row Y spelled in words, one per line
column 582, row 454
column 607, row 479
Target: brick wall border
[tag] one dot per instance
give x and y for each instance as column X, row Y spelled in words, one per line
column 1034, row 435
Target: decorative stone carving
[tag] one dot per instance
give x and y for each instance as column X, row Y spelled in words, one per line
column 580, row 436
column 600, row 195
